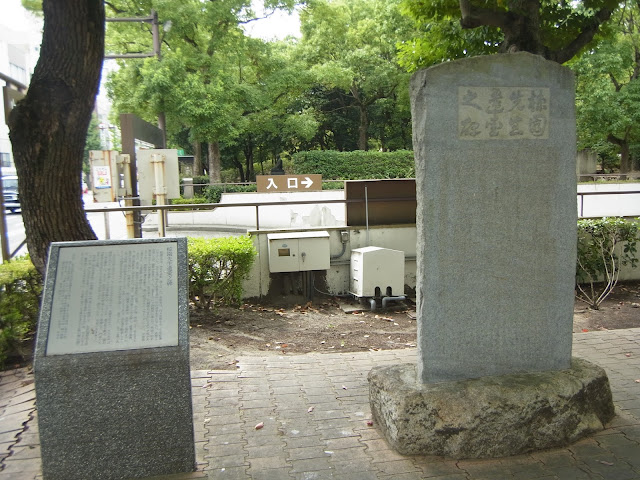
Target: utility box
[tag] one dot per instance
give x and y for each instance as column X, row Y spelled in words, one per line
column 377, row 268
column 298, row 251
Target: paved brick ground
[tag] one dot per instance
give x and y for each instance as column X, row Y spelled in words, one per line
column 314, row 411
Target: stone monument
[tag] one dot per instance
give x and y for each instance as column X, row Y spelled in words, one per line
column 494, row 142
column 112, row 377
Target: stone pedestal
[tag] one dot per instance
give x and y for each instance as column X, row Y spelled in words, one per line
column 493, row 416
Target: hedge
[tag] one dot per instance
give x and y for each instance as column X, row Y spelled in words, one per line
column 356, row 165
column 20, row 290
column 217, row 267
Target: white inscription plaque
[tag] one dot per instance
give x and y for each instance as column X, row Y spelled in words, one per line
column 503, row 113
column 114, row 297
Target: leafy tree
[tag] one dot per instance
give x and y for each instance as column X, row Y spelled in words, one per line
column 608, row 92
column 350, row 46
column 226, row 89
column 557, row 30
column 48, row 127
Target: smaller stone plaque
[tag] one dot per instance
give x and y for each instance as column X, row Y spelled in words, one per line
column 114, row 297
column 111, row 362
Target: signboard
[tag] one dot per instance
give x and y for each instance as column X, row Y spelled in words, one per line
column 288, row 183
column 147, row 177
column 101, row 176
column 114, row 297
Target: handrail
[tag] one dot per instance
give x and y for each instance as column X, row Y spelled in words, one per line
column 213, row 206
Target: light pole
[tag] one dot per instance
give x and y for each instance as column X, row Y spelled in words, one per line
column 155, row 31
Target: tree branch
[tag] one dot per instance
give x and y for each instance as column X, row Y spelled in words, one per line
column 584, row 37
column 473, row 17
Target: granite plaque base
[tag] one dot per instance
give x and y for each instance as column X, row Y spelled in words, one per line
column 125, row 412
column 493, row 416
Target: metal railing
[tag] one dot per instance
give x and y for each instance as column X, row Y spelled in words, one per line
column 212, row 206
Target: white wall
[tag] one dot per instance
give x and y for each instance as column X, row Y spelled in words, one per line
column 401, row 237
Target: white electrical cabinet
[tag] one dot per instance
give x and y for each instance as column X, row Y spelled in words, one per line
column 298, row 251
column 373, row 267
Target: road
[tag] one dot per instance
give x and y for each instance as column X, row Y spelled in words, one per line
column 117, row 228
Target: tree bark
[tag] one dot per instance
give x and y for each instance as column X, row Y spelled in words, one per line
column 214, row 163
column 248, row 155
column 197, row 158
column 625, row 156
column 48, row 127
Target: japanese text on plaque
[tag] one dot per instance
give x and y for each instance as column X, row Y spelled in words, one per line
column 503, row 113
column 114, row 297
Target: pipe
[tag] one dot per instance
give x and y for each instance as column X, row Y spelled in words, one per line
column 386, row 300
column 372, row 303
column 366, row 213
column 344, row 249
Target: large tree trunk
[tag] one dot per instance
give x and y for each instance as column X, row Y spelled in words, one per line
column 197, row 159
column 214, row 163
column 48, row 128
column 625, row 153
column 248, row 156
column 363, row 128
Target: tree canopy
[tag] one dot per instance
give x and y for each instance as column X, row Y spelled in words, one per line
column 556, row 30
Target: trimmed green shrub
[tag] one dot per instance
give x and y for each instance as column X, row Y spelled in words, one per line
column 356, row 165
column 217, row 267
column 213, row 193
column 604, row 245
column 20, row 289
column 187, row 201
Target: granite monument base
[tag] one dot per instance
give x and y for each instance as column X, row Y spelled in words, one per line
column 495, row 416
column 113, row 415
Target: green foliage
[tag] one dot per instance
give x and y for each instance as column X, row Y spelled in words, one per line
column 20, row 289
column 608, row 93
column 188, row 201
column 214, row 193
column 604, row 245
column 359, row 91
column 555, row 29
column 355, row 165
column 217, row 267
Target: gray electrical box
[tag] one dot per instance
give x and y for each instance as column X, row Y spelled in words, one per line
column 298, row 251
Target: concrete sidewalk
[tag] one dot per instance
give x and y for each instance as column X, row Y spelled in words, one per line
column 315, row 409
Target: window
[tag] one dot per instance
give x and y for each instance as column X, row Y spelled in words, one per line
column 17, row 73
column 5, row 159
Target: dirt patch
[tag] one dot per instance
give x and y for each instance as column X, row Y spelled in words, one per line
column 293, row 327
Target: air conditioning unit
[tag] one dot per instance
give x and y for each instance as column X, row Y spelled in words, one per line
column 377, row 272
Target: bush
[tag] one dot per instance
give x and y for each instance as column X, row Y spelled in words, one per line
column 213, row 193
column 20, row 289
column 217, row 267
column 356, row 165
column 187, row 201
column 604, row 245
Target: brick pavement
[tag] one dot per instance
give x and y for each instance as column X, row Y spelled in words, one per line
column 314, row 411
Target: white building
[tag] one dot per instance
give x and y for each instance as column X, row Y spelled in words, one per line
column 19, row 52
